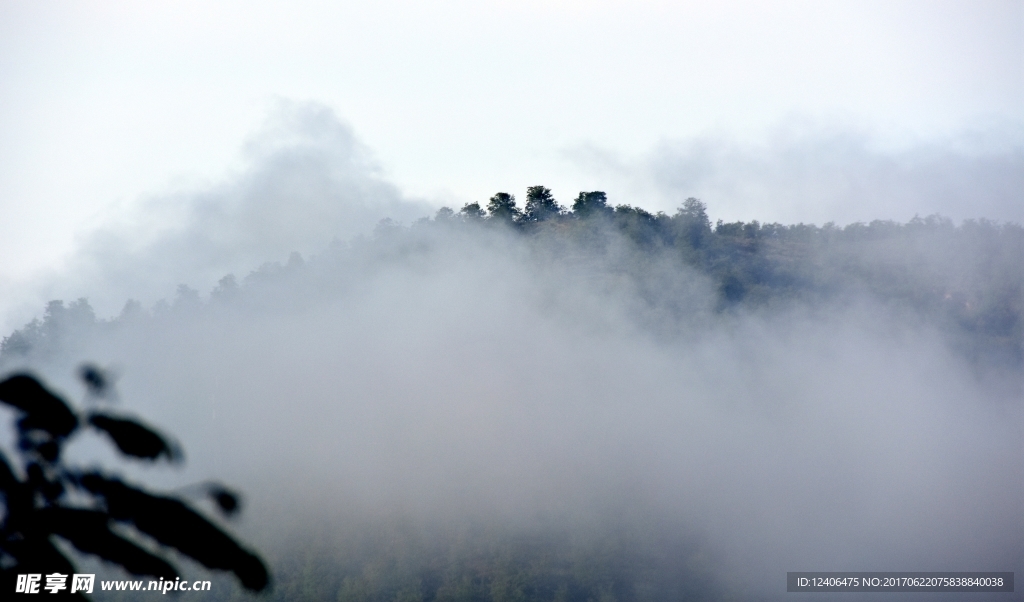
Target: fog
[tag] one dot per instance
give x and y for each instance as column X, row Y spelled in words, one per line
column 302, row 181
column 444, row 374
column 817, row 171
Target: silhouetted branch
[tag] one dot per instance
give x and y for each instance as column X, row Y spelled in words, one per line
column 38, row 506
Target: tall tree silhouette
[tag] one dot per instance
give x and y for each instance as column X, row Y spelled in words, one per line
column 591, row 203
column 502, row 208
column 540, row 204
column 98, row 513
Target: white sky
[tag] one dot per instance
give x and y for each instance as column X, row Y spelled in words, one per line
column 103, row 103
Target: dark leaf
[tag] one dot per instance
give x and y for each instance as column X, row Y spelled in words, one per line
column 95, row 378
column 226, row 500
column 135, row 439
column 89, row 531
column 18, row 497
column 49, row 450
column 44, row 410
column 36, row 475
column 35, row 553
column 51, row 488
column 7, row 478
column 174, row 524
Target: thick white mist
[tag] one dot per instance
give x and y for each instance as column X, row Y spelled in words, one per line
column 449, row 376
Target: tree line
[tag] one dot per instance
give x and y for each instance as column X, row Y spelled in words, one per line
column 963, row 278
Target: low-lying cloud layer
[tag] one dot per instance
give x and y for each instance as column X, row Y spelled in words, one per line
column 458, row 378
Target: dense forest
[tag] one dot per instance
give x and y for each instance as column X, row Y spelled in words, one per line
column 673, row 277
column 964, row 279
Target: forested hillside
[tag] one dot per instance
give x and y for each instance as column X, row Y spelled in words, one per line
column 966, row 280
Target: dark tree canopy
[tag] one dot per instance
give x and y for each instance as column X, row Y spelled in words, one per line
column 540, row 204
column 588, row 204
column 693, row 222
column 502, row 208
column 472, row 211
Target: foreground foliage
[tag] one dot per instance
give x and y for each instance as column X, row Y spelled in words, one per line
column 98, row 513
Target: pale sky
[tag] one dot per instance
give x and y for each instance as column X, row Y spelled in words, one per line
column 106, row 103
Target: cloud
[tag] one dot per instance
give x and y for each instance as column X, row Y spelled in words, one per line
column 806, row 173
column 305, row 181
